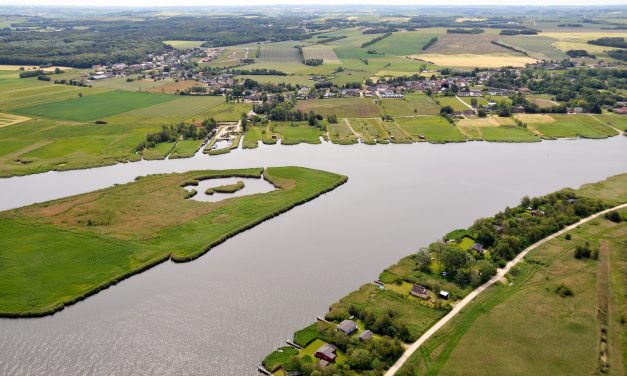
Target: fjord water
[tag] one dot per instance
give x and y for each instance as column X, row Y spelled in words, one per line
column 220, row 314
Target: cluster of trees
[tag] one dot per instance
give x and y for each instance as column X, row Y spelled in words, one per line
column 375, row 40
column 590, row 89
column 313, row 62
column 617, row 54
column 579, row 53
column 618, row 42
column 460, row 30
column 181, row 131
column 257, row 72
column 70, row 82
column 507, row 234
column 518, row 32
column 372, row 357
column 430, row 43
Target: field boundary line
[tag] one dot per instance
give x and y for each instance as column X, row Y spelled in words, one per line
column 499, row 276
column 606, row 124
column 464, row 103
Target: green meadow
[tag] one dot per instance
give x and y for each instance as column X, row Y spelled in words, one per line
column 434, row 129
column 59, row 252
column 95, row 107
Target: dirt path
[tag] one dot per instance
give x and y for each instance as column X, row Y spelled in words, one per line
column 464, row 103
column 606, row 124
column 500, row 275
column 352, row 129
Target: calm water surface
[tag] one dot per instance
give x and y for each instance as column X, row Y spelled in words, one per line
column 220, row 314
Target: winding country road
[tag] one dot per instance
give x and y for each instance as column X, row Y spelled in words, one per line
column 499, row 276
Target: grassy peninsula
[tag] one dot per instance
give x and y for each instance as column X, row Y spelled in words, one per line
column 62, row 251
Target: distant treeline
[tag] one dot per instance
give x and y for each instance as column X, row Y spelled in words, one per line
column 380, row 30
column 509, row 47
column 257, row 72
column 375, row 40
column 81, row 43
column 518, row 32
column 460, row 30
column 618, row 42
column 430, row 43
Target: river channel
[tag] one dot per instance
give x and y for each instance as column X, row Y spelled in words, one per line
column 220, row 314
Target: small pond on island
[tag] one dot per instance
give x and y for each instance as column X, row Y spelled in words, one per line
column 222, row 313
column 251, row 186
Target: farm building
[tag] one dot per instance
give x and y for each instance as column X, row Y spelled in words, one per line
column 365, row 335
column 420, row 292
column 327, row 353
column 477, row 247
column 347, row 326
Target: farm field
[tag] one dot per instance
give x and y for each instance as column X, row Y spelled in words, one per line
column 184, row 44
column 321, row 51
column 121, row 83
column 528, row 327
column 96, row 106
column 341, row 133
column 558, row 125
column 342, row 107
column 120, row 243
column 185, row 148
column 296, row 133
column 9, row 119
column 294, row 79
column 226, row 111
column 231, row 56
column 454, row 44
column 179, row 108
column 281, row 52
column 412, row 104
column 406, row 43
column 508, row 133
column 20, row 92
column 454, row 103
column 396, row 133
column 538, row 47
column 433, row 128
column 476, row 60
column 370, row 130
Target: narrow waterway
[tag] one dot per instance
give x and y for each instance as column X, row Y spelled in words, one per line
column 221, row 313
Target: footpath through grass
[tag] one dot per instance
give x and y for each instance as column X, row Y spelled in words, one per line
column 59, row 252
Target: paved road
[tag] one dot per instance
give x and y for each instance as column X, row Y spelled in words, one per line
column 499, row 276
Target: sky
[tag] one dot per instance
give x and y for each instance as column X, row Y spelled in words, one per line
column 144, row 3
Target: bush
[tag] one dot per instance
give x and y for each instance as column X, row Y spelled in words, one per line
column 563, row 291
column 614, row 216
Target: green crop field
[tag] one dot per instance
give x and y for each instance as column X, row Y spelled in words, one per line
column 370, row 130
column 508, row 133
column 183, row 44
column 227, row 111
column 527, row 328
column 536, row 46
column 571, row 126
column 59, row 252
column 321, row 51
column 95, row 106
column 341, row 133
column 16, row 93
column 455, row 103
column 433, row 128
column 342, row 107
column 181, row 107
column 121, row 83
column 400, row 44
column 185, row 148
column 296, row 133
column 279, row 53
column 412, row 104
